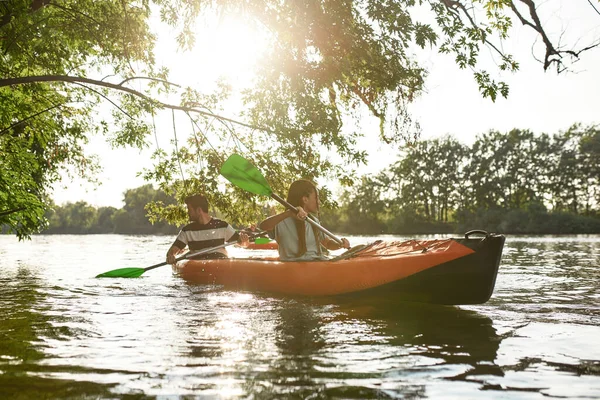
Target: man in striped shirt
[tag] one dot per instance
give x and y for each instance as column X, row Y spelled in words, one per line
column 203, row 232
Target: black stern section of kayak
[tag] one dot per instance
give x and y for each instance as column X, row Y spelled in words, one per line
column 466, row 280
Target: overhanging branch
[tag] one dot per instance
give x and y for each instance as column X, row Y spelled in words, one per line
column 529, row 17
column 30, row 117
column 553, row 55
column 8, row 212
column 79, row 80
column 456, row 8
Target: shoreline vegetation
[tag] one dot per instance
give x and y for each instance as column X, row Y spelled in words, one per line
column 511, row 183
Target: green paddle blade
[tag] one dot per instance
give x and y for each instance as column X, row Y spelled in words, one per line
column 122, row 273
column 239, row 171
column 262, row 240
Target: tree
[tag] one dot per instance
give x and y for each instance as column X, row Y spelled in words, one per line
column 132, row 219
column 589, row 146
column 363, row 209
column 43, row 127
column 82, row 218
column 426, row 179
column 574, row 181
column 328, row 60
column 507, row 169
column 105, row 220
column 73, row 218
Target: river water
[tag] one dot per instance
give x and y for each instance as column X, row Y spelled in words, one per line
column 67, row 335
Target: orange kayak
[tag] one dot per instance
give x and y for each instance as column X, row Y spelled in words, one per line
column 445, row 271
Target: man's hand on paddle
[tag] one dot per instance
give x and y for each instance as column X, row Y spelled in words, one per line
column 172, row 253
column 244, row 239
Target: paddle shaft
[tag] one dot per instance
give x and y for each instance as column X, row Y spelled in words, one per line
column 203, row 251
column 309, row 219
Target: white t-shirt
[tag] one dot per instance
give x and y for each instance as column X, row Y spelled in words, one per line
column 286, row 236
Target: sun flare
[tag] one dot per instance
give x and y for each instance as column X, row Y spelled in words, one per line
column 229, row 48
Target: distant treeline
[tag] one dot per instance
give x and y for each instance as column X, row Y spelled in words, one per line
column 82, row 218
column 514, row 182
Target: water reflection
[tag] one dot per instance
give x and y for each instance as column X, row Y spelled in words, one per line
column 29, row 326
column 19, row 295
column 295, row 340
column 306, row 348
column 433, row 341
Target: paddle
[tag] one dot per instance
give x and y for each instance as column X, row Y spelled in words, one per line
column 135, row 272
column 239, row 171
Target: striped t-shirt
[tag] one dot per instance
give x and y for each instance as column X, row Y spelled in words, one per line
column 199, row 236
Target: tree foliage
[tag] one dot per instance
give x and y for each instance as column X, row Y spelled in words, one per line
column 503, row 182
column 82, row 218
column 328, row 61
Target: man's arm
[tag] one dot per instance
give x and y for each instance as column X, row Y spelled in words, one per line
column 172, row 253
column 237, row 236
column 240, row 237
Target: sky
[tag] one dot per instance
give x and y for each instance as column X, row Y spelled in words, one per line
column 451, row 104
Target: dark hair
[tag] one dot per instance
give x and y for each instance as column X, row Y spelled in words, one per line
column 197, row 201
column 299, row 189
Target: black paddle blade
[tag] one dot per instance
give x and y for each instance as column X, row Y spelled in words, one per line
column 122, row 273
column 239, row 171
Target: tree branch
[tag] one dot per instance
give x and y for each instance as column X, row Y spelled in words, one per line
column 8, row 212
column 28, row 118
column 35, row 5
column 595, row 9
column 537, row 26
column 125, row 48
column 454, row 5
column 553, row 55
column 148, row 78
column 105, row 98
column 72, row 12
column 78, row 80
